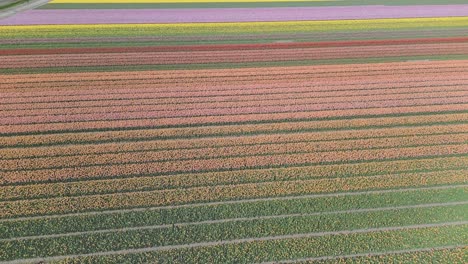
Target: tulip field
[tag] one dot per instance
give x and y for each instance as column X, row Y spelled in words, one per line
column 267, row 131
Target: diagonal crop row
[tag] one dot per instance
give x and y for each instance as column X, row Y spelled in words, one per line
column 154, row 85
column 62, row 205
column 146, row 183
column 298, row 73
column 273, row 206
column 148, row 58
column 154, row 105
column 145, row 156
column 227, row 231
column 196, row 137
column 276, row 248
column 225, row 164
column 11, row 130
column 278, row 107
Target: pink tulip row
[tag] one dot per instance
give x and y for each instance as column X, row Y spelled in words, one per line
column 129, row 105
column 228, row 118
column 213, row 112
column 200, row 75
column 149, row 90
column 385, row 85
column 360, row 127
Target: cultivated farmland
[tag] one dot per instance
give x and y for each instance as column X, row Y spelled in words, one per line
column 234, row 132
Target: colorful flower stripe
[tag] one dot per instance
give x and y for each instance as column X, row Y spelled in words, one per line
column 221, row 47
column 176, row 93
column 233, row 135
column 133, row 140
column 223, row 164
column 112, row 30
column 258, row 109
column 238, row 134
column 149, row 58
column 141, row 16
column 224, row 178
column 371, row 83
column 84, row 107
column 155, row 43
column 87, row 107
column 170, row 76
column 206, row 153
column 225, row 192
column 11, row 130
column 226, row 85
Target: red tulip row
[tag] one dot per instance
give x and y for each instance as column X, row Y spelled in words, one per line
column 219, row 47
column 236, row 56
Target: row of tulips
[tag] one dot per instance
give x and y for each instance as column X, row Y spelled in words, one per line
column 456, row 104
column 167, row 197
column 146, row 183
column 273, row 206
column 197, row 137
column 225, row 231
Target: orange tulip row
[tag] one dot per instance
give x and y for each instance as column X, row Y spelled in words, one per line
column 234, row 163
column 224, row 192
column 228, row 177
column 146, row 156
